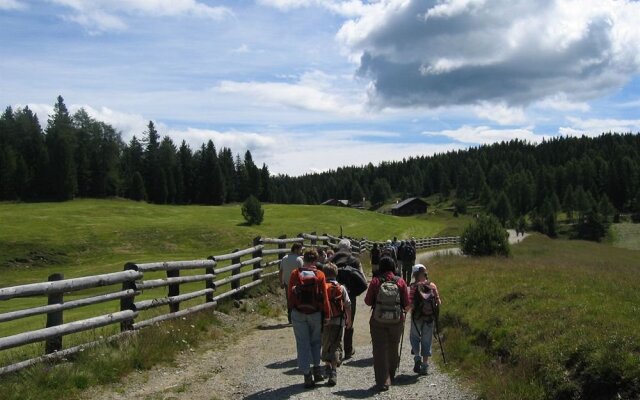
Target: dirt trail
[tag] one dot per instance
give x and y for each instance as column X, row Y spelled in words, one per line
column 262, row 365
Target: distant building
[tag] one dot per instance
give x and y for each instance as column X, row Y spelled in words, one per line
column 410, row 206
column 336, row 203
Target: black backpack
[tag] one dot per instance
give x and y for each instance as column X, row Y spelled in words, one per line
column 424, row 302
column 409, row 253
column 353, row 280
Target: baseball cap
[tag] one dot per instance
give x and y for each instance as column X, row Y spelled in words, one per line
column 416, row 268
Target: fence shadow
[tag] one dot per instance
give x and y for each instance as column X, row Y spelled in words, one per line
column 273, row 327
column 280, row 393
column 357, row 393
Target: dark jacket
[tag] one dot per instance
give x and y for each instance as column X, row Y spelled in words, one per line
column 344, row 258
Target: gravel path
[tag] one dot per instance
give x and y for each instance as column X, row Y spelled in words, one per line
column 262, row 365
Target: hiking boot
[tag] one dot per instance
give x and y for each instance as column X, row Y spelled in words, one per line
column 424, row 369
column 317, row 374
column 349, row 354
column 308, row 381
column 333, row 377
column 327, row 371
column 382, row 388
column 417, row 363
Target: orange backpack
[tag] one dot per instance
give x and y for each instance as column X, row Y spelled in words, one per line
column 307, row 296
column 336, row 298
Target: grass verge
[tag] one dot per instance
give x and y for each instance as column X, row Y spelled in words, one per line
column 557, row 320
column 159, row 344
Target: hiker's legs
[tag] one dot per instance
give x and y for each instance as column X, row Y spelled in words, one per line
column 332, row 343
column 380, row 355
column 348, row 333
column 427, row 339
column 406, row 272
column 414, row 338
column 301, row 331
column 315, row 334
column 393, row 338
column 286, row 300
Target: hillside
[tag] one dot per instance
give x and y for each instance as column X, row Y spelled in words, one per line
column 85, row 237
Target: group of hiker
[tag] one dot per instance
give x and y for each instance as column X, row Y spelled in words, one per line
column 321, row 292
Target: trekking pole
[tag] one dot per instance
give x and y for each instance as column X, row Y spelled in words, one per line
column 401, row 343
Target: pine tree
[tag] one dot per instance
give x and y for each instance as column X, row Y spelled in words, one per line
column 357, row 194
column 502, row 209
column 605, row 208
column 380, row 191
column 137, row 191
column 568, row 202
column 265, row 184
column 252, row 211
column 61, row 149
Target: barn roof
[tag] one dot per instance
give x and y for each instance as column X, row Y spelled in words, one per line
column 407, row 201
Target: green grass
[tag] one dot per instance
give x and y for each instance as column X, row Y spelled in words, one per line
column 625, row 235
column 87, row 237
column 557, row 320
column 109, row 362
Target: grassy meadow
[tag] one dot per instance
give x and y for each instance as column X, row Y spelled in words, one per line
column 87, row 237
column 557, row 320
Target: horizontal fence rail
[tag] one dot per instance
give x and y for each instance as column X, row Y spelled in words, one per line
column 219, row 277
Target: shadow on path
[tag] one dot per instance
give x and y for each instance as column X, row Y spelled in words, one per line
column 273, row 327
column 357, row 393
column 280, row 393
column 361, row 363
column 283, row 364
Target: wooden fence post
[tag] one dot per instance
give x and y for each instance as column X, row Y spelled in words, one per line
column 257, row 265
column 282, row 246
column 54, row 318
column 174, row 289
column 209, row 282
column 313, row 239
column 127, row 303
column 326, row 242
column 235, row 284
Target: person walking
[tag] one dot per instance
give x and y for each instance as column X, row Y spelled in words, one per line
column 288, row 264
column 388, row 296
column 351, row 275
column 340, row 305
column 425, row 300
column 408, row 260
column 375, row 259
column 308, row 299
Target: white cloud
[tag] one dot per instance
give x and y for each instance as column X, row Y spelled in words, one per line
column 106, row 15
column 439, row 53
column 243, row 48
column 487, row 135
column 11, row 5
column 560, row 102
column 347, row 8
column 314, row 91
column 500, row 113
column 595, row 126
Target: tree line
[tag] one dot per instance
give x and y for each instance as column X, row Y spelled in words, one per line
column 78, row 156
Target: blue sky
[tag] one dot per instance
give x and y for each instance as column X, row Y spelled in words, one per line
column 310, row 85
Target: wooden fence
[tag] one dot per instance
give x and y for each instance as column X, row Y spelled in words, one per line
column 221, row 277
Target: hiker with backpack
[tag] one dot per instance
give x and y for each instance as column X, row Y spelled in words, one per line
column 340, row 305
column 400, row 260
column 308, row 300
column 425, row 300
column 375, row 259
column 408, row 260
column 288, row 264
column 351, row 275
column 388, row 296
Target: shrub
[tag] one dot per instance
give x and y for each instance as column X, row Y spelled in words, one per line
column 485, row 237
column 252, row 211
column 592, row 226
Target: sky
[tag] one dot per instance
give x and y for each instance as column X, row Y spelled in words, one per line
column 311, row 85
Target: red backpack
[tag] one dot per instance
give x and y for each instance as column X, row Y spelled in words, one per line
column 307, row 294
column 336, row 298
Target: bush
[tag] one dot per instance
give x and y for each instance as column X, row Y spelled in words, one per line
column 252, row 211
column 485, row 237
column 592, row 227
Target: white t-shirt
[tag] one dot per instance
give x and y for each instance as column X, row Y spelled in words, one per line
column 288, row 264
